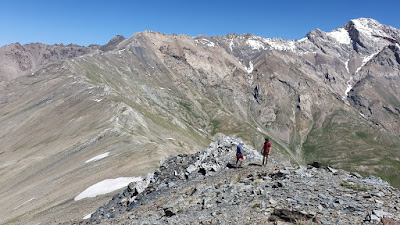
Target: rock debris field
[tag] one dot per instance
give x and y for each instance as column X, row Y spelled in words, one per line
column 207, row 188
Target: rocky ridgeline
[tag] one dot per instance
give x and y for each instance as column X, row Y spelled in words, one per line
column 206, row 188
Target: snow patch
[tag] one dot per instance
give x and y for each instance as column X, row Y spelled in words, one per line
column 369, row 27
column 98, row 157
column 362, row 27
column 250, row 69
column 341, row 35
column 349, row 87
column 255, row 44
column 347, row 66
column 87, row 216
column 98, row 100
column 398, row 46
column 106, row 186
column 231, row 45
column 281, row 45
column 365, row 60
column 206, row 42
column 26, row 202
column 303, row 39
column 172, row 139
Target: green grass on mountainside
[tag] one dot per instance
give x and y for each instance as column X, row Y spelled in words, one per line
column 347, row 142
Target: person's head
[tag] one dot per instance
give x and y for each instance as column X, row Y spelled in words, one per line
column 241, row 143
column 266, row 140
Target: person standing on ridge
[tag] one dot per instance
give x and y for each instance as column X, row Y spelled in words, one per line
column 239, row 154
column 266, row 151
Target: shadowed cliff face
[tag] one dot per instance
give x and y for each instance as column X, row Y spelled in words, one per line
column 331, row 97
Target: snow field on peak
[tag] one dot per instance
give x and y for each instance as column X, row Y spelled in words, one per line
column 341, row 35
column 369, row 28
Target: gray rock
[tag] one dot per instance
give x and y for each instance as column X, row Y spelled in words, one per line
column 380, row 213
column 330, row 169
column 355, row 174
column 191, row 169
column 171, row 184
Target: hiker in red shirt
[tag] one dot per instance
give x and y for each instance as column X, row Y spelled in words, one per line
column 266, row 151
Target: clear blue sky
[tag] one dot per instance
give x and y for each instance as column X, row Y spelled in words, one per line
column 87, row 22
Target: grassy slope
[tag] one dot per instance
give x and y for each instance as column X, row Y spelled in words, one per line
column 351, row 143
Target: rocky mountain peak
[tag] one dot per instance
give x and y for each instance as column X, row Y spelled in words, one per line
column 113, row 43
column 370, row 36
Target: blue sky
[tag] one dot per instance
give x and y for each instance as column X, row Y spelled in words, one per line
column 87, row 22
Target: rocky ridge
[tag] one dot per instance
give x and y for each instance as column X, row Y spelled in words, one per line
column 207, row 188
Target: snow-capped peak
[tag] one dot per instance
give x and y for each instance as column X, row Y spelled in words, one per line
column 369, row 27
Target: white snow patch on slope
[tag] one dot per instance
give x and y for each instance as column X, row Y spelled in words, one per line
column 231, row 45
column 255, row 44
column 87, row 216
column 24, row 203
column 281, row 45
column 106, row 186
column 206, row 42
column 349, row 87
column 303, row 39
column 341, row 35
column 347, row 66
column 365, row 60
column 250, row 69
column 398, row 46
column 98, row 157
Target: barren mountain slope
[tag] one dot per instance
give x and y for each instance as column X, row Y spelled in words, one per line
column 18, row 60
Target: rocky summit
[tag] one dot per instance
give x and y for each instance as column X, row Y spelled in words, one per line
column 207, row 188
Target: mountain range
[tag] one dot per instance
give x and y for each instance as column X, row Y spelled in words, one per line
column 73, row 116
